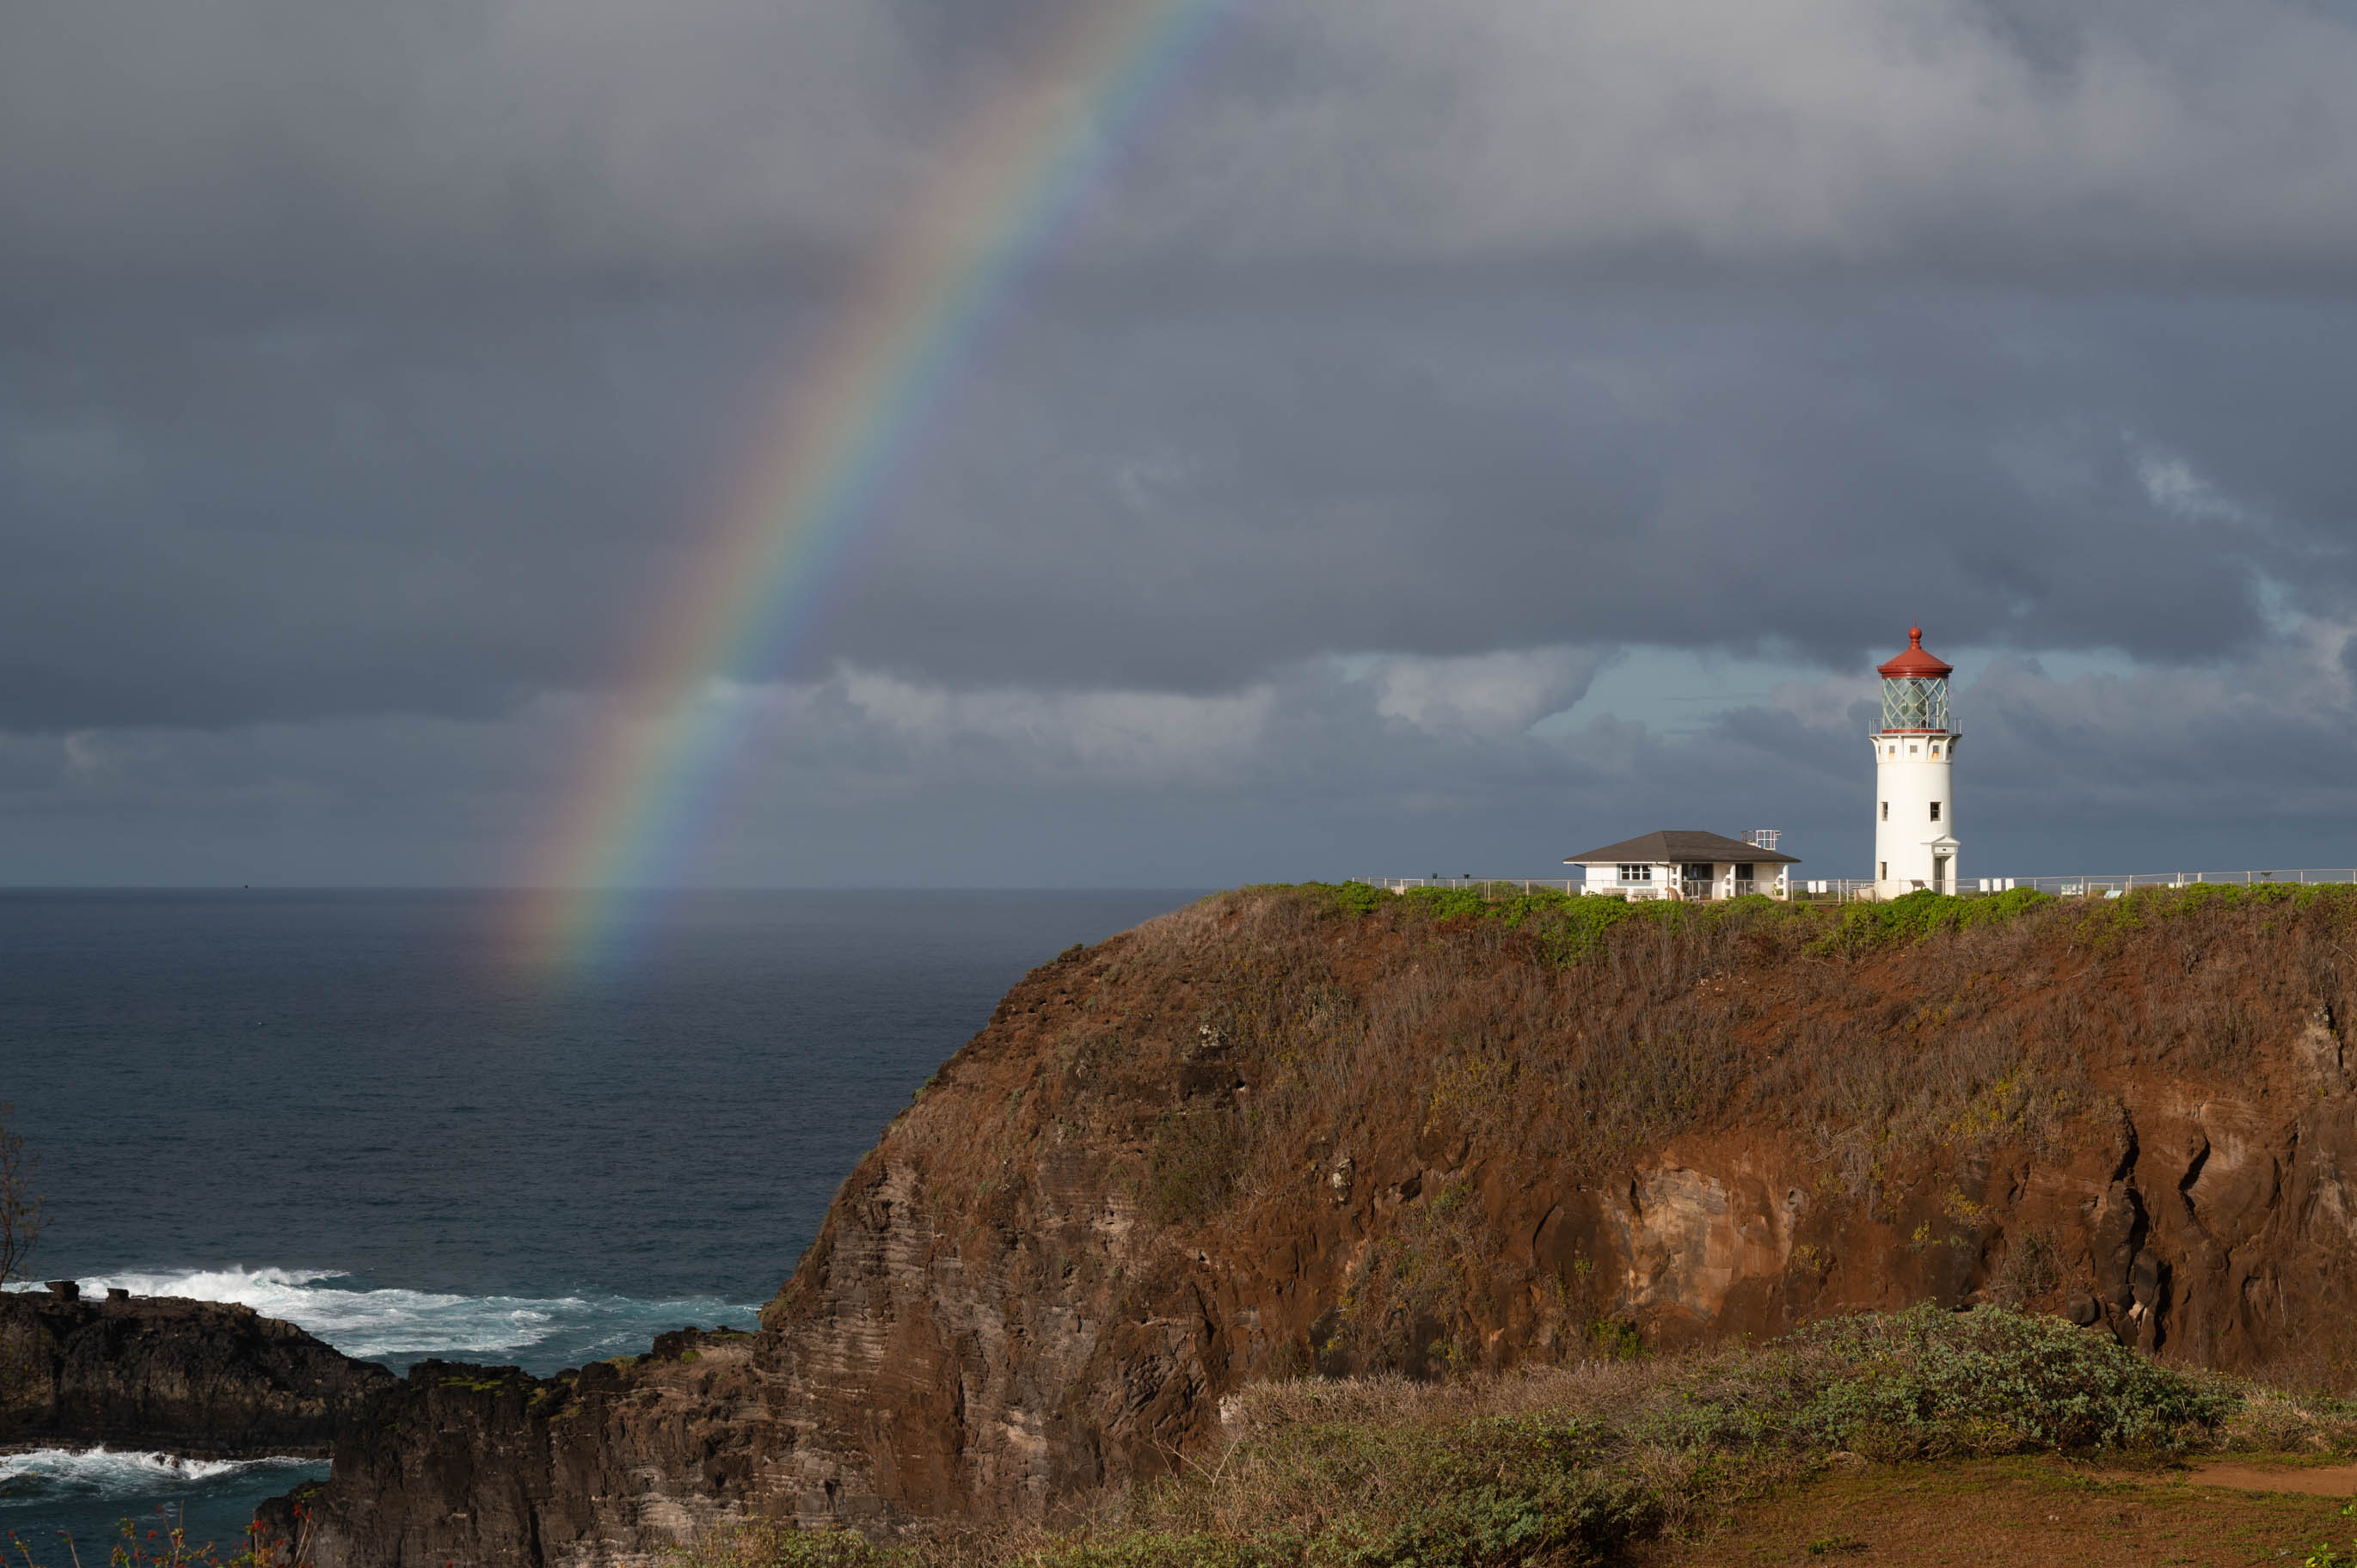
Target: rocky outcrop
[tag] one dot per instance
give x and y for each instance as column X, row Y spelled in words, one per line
column 208, row 1380
column 490, row 1465
column 1263, row 1135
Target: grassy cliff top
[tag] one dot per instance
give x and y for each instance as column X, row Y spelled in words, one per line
column 1580, row 924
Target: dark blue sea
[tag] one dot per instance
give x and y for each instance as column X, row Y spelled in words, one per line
column 342, row 1109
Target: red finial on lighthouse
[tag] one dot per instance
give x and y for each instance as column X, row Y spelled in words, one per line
column 1914, row 662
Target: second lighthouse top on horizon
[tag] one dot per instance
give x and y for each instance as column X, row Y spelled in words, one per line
column 1914, row 689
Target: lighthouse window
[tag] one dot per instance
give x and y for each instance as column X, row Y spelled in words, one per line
column 1910, row 749
column 1886, row 871
column 1935, row 810
column 1935, row 749
column 1914, row 703
column 1885, row 810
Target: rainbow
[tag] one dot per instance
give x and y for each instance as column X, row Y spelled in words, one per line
column 831, row 446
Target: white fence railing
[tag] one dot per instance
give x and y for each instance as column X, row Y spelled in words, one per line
column 2114, row 886
column 1845, row 889
column 1511, row 883
column 1507, row 886
column 1832, row 889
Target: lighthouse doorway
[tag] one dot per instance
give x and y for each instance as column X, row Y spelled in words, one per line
column 1940, row 873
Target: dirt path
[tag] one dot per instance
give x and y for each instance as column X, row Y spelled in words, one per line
column 2315, row 1480
column 2037, row 1513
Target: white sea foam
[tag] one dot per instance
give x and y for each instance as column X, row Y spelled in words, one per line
column 43, row 1475
column 362, row 1322
column 393, row 1322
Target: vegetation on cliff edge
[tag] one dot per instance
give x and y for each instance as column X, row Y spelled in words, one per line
column 1572, row 926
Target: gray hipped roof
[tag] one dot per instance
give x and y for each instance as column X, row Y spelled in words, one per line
column 1680, row 844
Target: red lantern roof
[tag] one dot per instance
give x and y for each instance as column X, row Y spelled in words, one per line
column 1915, row 661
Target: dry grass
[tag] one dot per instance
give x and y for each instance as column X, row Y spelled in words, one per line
column 2273, row 1419
column 1573, row 1465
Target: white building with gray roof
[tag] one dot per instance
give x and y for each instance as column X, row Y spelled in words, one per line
column 1687, row 862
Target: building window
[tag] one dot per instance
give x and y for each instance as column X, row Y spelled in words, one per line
column 1885, row 810
column 1911, row 748
column 1935, row 749
column 1886, row 872
column 1935, row 810
column 1636, row 874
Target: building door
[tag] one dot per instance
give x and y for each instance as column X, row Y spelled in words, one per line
column 1939, row 874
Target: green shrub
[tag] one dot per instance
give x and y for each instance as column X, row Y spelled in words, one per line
column 766, row 1543
column 1571, row 925
column 1567, row 1518
column 1928, row 1383
column 1158, row 1548
column 1356, row 899
column 1615, row 1338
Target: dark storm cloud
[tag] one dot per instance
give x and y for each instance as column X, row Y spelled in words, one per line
column 1993, row 143
column 331, row 146
column 1443, row 475
column 332, row 518
column 302, row 142
column 365, row 372
column 337, row 515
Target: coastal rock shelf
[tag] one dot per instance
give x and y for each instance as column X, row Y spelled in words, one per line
column 1287, row 1129
column 204, row 1380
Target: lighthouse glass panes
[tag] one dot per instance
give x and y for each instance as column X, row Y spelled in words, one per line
column 1915, row 703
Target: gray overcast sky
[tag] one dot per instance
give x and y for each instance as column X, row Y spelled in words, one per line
column 1450, row 436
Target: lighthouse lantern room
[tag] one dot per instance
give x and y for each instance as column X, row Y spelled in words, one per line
column 1914, row 757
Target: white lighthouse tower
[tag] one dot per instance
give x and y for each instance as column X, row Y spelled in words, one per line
column 1914, row 759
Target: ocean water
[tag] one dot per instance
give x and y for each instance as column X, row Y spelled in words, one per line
column 341, row 1109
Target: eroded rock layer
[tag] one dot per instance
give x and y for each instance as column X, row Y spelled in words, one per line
column 1270, row 1133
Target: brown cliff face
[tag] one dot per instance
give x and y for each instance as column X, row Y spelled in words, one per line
column 209, row 1380
column 1264, row 1135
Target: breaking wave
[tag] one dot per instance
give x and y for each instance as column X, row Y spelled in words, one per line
column 54, row 1470
column 394, row 1324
